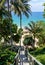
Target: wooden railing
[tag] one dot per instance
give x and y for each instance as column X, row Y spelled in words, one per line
column 32, row 60
column 16, row 59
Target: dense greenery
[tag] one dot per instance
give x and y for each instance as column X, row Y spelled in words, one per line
column 35, row 30
column 16, row 38
column 42, row 33
column 6, row 55
column 44, row 10
column 28, row 41
column 39, row 53
column 7, row 28
column 6, row 31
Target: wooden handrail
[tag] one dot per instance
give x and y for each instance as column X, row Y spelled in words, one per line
column 16, row 58
column 34, row 59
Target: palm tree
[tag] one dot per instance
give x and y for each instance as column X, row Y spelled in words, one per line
column 44, row 10
column 21, row 7
column 3, row 11
column 2, row 2
column 26, row 10
column 10, row 18
column 34, row 29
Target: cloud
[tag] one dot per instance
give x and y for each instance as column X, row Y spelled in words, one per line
column 37, row 0
column 37, row 7
column 34, row 0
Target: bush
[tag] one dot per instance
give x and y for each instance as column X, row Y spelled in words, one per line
column 16, row 38
column 6, row 55
column 39, row 54
column 28, row 41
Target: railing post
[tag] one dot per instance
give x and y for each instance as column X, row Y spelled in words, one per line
column 16, row 61
column 26, row 53
column 30, row 60
column 33, row 62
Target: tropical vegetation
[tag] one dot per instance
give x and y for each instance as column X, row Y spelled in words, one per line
column 34, row 30
column 10, row 32
column 44, row 10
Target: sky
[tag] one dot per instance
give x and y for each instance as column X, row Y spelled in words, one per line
column 37, row 5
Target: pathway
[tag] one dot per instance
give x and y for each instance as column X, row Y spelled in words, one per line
column 23, row 59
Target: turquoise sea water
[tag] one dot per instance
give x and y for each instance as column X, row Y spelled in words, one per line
column 35, row 16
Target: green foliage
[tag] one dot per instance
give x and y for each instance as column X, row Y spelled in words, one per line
column 44, row 10
column 42, row 33
column 28, row 41
column 7, row 28
column 20, row 31
column 14, row 28
column 39, row 53
column 41, row 58
column 44, row 15
column 34, row 29
column 22, row 7
column 6, row 55
column 0, row 37
column 16, row 37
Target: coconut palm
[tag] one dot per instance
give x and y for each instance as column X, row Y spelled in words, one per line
column 2, row 2
column 26, row 10
column 44, row 10
column 21, row 7
column 3, row 11
column 34, row 29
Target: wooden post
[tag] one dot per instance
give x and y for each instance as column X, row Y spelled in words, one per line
column 16, row 61
column 26, row 52
column 30, row 60
column 33, row 62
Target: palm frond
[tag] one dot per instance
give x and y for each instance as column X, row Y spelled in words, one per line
column 28, row 29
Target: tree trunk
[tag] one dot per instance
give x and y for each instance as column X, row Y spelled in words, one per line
column 33, row 44
column 8, row 5
column 10, row 22
column 20, row 21
column 20, row 26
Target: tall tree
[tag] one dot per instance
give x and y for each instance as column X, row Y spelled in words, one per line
column 44, row 10
column 21, row 7
column 34, row 29
column 3, row 11
column 9, row 11
column 42, row 33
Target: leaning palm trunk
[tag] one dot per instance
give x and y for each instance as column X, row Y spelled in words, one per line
column 20, row 26
column 20, row 21
column 10, row 21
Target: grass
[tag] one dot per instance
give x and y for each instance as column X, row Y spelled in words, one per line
column 39, row 54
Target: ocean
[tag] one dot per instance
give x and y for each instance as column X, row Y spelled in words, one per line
column 35, row 16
